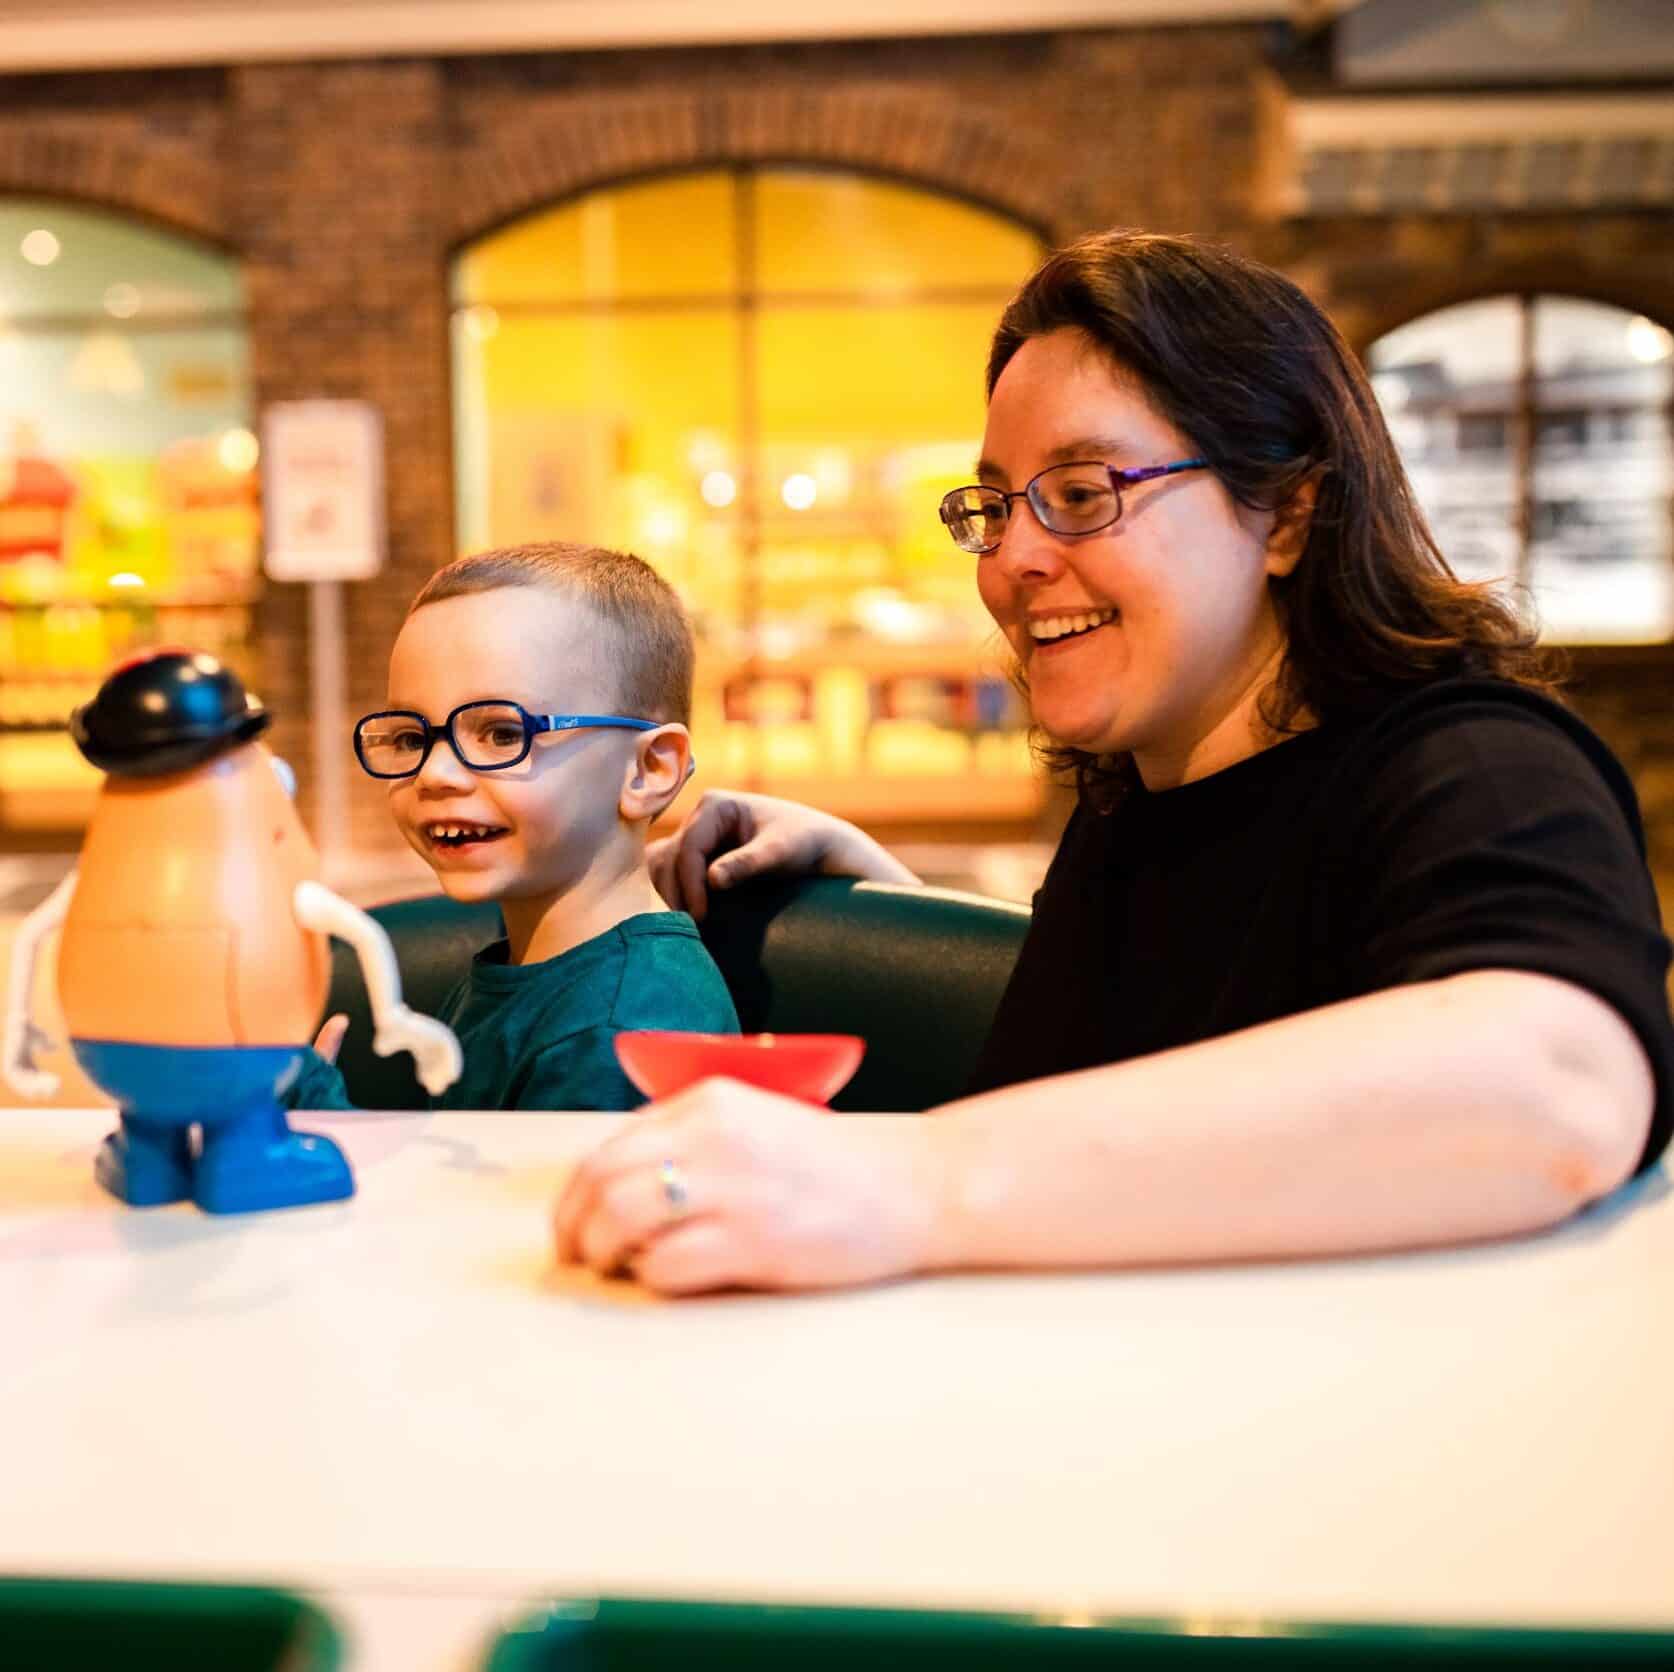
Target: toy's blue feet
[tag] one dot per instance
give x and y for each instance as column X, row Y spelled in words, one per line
column 146, row 1164
column 258, row 1162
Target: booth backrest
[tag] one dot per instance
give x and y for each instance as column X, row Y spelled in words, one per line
column 917, row 972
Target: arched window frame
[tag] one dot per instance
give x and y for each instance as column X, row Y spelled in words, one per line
column 751, row 660
column 1524, row 411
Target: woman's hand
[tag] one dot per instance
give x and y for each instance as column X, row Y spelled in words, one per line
column 725, row 1186
column 732, row 836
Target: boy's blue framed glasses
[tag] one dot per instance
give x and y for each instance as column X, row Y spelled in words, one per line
column 487, row 736
column 1083, row 497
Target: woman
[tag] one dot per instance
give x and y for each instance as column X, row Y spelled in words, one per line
column 1349, row 944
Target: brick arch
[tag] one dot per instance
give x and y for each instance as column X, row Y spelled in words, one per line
column 1547, row 278
column 163, row 183
column 597, row 141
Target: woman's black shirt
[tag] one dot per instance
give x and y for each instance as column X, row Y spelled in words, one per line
column 1474, row 825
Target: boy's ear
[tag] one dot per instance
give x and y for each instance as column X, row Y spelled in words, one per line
column 1291, row 525
column 661, row 764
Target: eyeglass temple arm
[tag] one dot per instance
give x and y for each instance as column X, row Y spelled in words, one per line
column 574, row 722
column 1149, row 472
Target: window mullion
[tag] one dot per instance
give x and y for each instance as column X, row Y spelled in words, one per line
column 1523, row 452
column 749, row 430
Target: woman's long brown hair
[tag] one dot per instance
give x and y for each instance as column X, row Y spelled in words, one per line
column 1261, row 384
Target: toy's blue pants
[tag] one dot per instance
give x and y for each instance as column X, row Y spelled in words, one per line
column 247, row 1156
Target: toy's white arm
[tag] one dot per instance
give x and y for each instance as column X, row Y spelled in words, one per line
column 22, row 1038
column 436, row 1054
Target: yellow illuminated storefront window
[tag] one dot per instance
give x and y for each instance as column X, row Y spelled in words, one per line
column 128, row 499
column 763, row 380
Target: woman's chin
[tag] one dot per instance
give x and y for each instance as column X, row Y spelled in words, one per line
column 1088, row 736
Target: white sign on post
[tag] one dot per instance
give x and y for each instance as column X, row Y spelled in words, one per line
column 323, row 490
column 323, row 521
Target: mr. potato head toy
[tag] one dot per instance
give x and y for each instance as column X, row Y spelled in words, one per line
column 193, row 963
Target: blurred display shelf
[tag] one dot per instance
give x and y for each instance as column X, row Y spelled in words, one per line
column 874, row 801
column 986, row 659
column 27, row 814
column 45, row 785
column 53, row 653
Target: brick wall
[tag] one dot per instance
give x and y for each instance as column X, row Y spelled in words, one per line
column 150, row 144
column 346, row 188
column 341, row 214
column 1067, row 132
column 1374, row 273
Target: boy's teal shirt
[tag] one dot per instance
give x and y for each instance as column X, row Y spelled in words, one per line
column 542, row 1036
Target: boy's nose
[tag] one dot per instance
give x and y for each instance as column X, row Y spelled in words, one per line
column 443, row 767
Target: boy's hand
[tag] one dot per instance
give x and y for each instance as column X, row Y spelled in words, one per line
column 726, row 1186
column 436, row 1056
column 329, row 1040
column 732, row 836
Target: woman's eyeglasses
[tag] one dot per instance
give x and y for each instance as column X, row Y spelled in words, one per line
column 1068, row 499
column 486, row 736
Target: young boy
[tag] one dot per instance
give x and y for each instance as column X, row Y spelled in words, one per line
column 538, row 705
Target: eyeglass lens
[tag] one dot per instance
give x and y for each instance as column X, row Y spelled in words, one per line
column 975, row 517
column 485, row 735
column 1068, row 499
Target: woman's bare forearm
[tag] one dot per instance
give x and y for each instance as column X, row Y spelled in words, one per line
column 1478, row 1106
column 855, row 854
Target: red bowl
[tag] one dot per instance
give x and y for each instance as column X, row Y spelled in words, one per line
column 812, row 1066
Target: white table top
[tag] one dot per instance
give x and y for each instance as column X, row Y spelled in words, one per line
column 398, row 1404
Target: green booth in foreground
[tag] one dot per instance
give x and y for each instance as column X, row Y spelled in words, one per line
column 91, row 1625
column 629, row 1635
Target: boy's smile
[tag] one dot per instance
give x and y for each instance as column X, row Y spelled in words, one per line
column 459, row 836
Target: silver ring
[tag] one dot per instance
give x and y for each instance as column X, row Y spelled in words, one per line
column 676, row 1192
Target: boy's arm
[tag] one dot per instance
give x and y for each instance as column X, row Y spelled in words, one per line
column 436, row 1054
column 22, row 1038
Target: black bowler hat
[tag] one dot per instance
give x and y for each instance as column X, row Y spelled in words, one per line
column 163, row 712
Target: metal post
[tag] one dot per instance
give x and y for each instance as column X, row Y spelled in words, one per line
column 752, row 482
column 328, row 692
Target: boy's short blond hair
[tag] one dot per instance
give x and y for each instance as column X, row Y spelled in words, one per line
column 654, row 650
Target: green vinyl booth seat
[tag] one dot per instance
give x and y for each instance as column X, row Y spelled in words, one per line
column 916, row 972
column 621, row 1634
column 91, row 1625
